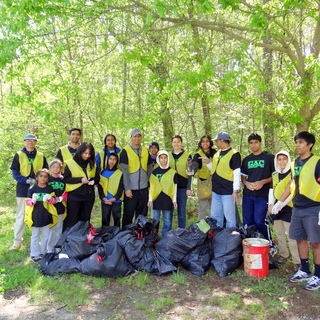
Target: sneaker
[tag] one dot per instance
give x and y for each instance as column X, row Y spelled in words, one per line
column 282, row 260
column 313, row 283
column 300, row 276
column 36, row 259
column 273, row 251
column 15, row 246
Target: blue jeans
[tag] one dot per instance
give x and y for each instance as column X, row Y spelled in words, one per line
column 182, row 203
column 167, row 219
column 223, row 206
column 254, row 211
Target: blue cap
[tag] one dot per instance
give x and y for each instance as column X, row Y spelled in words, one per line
column 222, row 136
column 30, row 136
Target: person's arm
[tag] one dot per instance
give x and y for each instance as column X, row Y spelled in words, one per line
column 68, row 177
column 174, row 200
column 120, row 189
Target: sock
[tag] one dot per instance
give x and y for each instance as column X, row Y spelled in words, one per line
column 305, row 265
column 317, row 270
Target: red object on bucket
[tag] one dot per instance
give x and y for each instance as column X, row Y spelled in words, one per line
column 256, row 257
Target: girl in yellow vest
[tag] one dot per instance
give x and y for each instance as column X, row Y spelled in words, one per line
column 163, row 191
column 204, row 185
column 80, row 176
column 110, row 191
column 179, row 162
column 280, row 180
column 40, row 213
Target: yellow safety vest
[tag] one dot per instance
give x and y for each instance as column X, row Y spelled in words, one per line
column 77, row 172
column 308, row 186
column 50, row 207
column 166, row 185
column 280, row 186
column 222, row 165
column 204, row 172
column 111, row 184
column 135, row 162
column 180, row 165
column 25, row 166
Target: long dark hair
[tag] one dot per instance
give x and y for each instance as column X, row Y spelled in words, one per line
column 80, row 150
column 212, row 150
column 116, row 164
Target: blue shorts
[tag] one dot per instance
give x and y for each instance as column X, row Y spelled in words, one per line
column 304, row 224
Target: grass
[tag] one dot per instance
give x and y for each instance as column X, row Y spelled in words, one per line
column 139, row 295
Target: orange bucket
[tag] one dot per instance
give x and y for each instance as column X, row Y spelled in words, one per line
column 256, row 257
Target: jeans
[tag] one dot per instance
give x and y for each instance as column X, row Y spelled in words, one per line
column 254, row 211
column 182, row 203
column 222, row 207
column 167, row 219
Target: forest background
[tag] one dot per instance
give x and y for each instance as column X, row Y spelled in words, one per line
column 188, row 67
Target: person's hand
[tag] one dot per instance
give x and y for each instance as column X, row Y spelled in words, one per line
column 258, row 185
column 52, row 200
column 34, row 198
column 46, row 197
column 85, row 181
column 205, row 159
column 30, row 203
column 128, row 193
column 149, row 204
column 277, row 207
column 190, row 172
column 235, row 197
column 189, row 193
column 91, row 183
column 175, row 205
column 31, row 181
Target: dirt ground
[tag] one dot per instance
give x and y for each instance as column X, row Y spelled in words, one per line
column 193, row 301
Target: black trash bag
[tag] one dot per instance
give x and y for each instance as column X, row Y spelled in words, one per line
column 247, row 231
column 176, row 244
column 81, row 240
column 198, row 261
column 108, row 261
column 145, row 227
column 51, row 264
column 162, row 265
column 226, row 251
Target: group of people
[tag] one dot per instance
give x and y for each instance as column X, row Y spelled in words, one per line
column 142, row 178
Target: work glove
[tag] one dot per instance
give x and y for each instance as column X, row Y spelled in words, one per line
column 52, row 200
column 30, row 181
column 277, row 207
column 91, row 183
column 29, row 202
column 46, row 197
column 34, row 198
column 64, row 197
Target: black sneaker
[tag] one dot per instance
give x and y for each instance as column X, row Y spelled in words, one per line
column 36, row 259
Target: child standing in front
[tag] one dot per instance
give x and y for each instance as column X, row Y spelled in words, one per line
column 40, row 213
column 111, row 190
column 58, row 185
column 280, row 180
column 163, row 191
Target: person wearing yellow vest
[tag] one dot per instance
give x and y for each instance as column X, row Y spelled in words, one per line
column 136, row 165
column 163, row 191
column 41, row 214
column 110, row 191
column 102, row 155
column 225, row 171
column 25, row 164
column 179, row 162
column 80, row 176
column 201, row 171
column 305, row 221
column 66, row 152
column 281, row 220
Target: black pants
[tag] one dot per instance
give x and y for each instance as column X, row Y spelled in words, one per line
column 135, row 206
column 77, row 211
column 107, row 210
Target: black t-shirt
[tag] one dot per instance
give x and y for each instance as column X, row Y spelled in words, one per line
column 163, row 201
column 256, row 168
column 183, row 183
column 40, row 216
column 58, row 185
column 299, row 200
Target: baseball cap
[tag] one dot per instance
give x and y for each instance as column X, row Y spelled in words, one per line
column 254, row 136
column 135, row 132
column 222, row 136
column 30, row 136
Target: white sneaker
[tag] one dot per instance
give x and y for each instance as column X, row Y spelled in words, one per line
column 313, row 283
column 300, row 276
